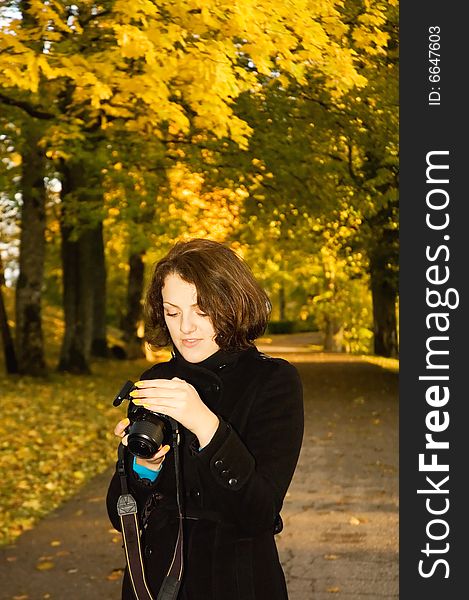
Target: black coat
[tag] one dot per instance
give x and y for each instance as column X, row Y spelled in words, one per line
column 233, row 488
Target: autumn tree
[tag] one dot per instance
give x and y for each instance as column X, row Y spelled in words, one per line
column 169, row 72
column 28, row 333
column 316, row 154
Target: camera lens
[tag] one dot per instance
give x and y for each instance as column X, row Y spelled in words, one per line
column 145, row 437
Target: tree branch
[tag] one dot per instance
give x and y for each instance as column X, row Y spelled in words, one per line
column 28, row 108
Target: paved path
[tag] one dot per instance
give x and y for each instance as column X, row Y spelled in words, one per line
column 341, row 514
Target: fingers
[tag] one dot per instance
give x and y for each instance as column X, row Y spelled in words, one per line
column 162, row 383
column 161, row 390
column 120, row 428
column 160, row 454
column 153, row 392
column 156, row 460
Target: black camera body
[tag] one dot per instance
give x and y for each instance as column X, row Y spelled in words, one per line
column 147, row 430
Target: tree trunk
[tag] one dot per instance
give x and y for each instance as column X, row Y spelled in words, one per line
column 99, row 339
column 384, row 295
column 78, row 282
column 383, row 256
column 133, row 316
column 332, row 336
column 282, row 303
column 29, row 336
column 11, row 364
column 78, row 302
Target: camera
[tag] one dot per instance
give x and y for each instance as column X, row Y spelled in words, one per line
column 147, row 430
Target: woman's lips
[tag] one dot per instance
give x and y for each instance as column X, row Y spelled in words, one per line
column 190, row 342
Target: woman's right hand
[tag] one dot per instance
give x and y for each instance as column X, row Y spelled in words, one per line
column 154, row 462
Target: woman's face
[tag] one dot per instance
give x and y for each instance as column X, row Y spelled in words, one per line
column 191, row 331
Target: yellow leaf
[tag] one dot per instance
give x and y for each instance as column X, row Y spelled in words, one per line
column 45, row 565
column 32, row 504
column 115, row 574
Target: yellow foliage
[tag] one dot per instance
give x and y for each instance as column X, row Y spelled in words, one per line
column 176, row 62
column 213, row 214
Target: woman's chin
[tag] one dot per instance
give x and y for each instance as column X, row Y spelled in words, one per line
column 198, row 352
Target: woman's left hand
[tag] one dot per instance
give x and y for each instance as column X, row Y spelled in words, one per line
column 179, row 400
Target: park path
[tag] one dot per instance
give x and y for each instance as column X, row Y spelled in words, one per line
column 340, row 538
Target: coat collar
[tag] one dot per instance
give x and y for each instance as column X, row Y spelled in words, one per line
column 216, row 362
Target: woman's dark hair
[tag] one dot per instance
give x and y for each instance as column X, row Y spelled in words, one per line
column 226, row 291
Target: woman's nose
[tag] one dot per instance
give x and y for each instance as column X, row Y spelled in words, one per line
column 187, row 324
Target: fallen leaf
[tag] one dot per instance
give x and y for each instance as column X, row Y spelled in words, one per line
column 331, row 556
column 354, row 521
column 55, row 543
column 45, row 565
column 333, row 590
column 71, row 571
column 115, row 574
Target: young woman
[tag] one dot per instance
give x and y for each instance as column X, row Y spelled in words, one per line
column 241, row 417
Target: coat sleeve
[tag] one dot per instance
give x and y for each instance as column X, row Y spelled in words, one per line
column 247, row 477
column 140, row 489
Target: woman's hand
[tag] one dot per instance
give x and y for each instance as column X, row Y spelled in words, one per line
column 179, row 400
column 154, row 462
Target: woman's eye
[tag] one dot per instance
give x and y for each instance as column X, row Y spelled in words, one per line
column 171, row 314
column 201, row 314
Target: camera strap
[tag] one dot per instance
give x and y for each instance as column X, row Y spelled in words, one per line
column 127, row 511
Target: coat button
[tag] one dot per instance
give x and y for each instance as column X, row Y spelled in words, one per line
column 225, row 473
column 147, row 551
column 219, row 464
column 232, row 482
column 195, row 493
